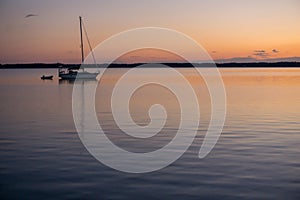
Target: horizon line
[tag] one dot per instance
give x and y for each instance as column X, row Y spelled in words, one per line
column 216, row 61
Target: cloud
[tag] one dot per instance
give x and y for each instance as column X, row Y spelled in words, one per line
column 31, row 15
column 263, row 55
column 214, row 52
column 260, row 53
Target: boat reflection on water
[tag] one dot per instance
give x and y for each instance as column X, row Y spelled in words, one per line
column 72, row 81
column 65, row 81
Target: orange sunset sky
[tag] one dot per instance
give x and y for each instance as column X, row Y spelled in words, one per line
column 230, row 30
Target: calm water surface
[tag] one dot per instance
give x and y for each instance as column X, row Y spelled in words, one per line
column 257, row 155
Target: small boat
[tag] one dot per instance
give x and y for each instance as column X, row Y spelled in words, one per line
column 47, row 77
column 72, row 74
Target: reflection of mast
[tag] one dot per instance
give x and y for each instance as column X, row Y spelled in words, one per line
column 82, row 107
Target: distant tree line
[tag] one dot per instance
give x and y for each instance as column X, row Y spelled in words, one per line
column 174, row 65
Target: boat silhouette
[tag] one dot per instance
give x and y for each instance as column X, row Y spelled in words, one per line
column 44, row 77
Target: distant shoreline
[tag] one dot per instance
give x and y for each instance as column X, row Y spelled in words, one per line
column 174, row 65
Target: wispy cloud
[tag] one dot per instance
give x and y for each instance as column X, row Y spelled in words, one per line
column 261, row 53
column 31, row 15
column 275, row 51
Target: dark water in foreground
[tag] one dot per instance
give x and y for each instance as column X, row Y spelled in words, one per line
column 257, row 155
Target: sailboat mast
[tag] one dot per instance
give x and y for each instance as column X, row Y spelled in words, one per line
column 81, row 40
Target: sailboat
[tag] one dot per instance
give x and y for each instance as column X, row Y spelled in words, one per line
column 72, row 74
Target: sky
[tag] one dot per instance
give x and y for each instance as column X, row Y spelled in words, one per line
column 47, row 31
